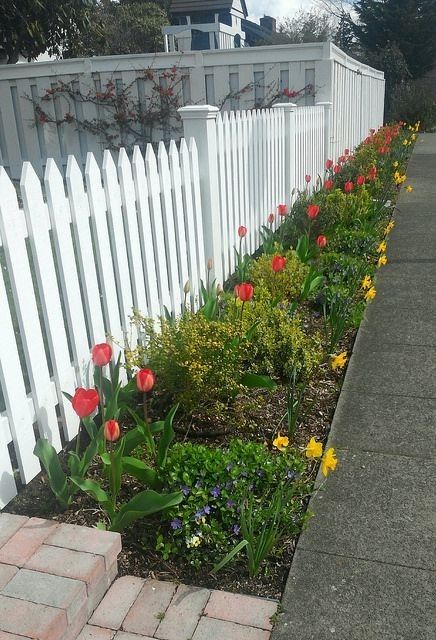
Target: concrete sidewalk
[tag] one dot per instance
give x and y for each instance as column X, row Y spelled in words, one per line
column 366, row 567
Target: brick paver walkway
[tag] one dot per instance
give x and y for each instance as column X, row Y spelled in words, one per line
column 54, row 585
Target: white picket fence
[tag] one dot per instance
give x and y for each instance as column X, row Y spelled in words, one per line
column 78, row 255
column 237, row 79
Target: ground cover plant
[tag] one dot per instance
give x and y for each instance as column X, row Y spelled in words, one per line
column 206, row 458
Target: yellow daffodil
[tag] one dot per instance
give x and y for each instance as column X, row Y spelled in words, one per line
column 405, row 143
column 396, row 163
column 414, row 137
column 338, row 361
column 366, row 283
column 314, row 449
column 370, row 294
column 281, row 442
column 389, row 227
column 409, row 188
column 329, row 462
column 382, row 247
column 382, row 260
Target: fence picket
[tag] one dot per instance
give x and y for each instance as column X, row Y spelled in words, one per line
column 27, row 312
column 191, row 231
column 179, row 220
column 38, row 224
column 60, row 219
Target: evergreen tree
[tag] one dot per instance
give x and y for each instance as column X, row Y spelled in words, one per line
column 409, row 25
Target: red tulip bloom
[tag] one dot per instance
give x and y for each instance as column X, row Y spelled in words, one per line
column 372, row 173
column 342, row 159
column 242, row 231
column 312, row 211
column 101, row 354
column 372, row 131
column 271, row 218
column 85, row 402
column 282, row 209
column 346, row 152
column 145, row 380
column 278, row 263
column 337, row 168
column 360, row 180
column 329, row 164
column 321, row 241
column 348, row 187
column 328, row 185
column 244, row 291
column 308, row 178
column 111, row 430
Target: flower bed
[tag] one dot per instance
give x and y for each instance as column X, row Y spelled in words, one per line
column 205, row 460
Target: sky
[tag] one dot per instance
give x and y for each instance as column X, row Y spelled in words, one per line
column 276, row 8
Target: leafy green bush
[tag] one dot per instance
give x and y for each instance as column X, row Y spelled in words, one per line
column 412, row 103
column 355, row 242
column 284, row 285
column 279, row 345
column 215, row 482
column 194, row 363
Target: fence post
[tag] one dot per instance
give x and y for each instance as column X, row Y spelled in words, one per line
column 328, row 108
column 290, row 148
column 199, row 122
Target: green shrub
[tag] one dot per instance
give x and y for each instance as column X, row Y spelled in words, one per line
column 284, row 285
column 193, row 362
column 355, row 242
column 411, row 103
column 205, row 525
column 280, row 343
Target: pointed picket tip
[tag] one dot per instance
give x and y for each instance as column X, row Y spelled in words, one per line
column 183, row 146
column 123, row 158
column 91, row 166
column 150, row 156
column 193, row 147
column 52, row 171
column 29, row 175
column 6, row 187
column 162, row 151
column 108, row 162
column 137, row 155
column 173, row 148
column 73, row 170
column 225, row 117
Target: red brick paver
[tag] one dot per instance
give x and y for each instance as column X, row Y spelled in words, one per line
column 31, row 620
column 23, row 544
column 212, row 629
column 9, row 524
column 149, row 608
column 183, row 614
column 70, row 564
column 246, row 610
column 7, row 572
column 76, row 538
column 117, row 602
column 90, row 632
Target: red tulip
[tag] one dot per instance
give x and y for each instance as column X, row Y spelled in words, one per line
column 341, row 159
column 372, row 173
column 348, row 187
column 271, row 218
column 372, row 131
column 278, row 263
column 111, row 430
column 346, row 152
column 145, row 380
column 85, row 402
column 329, row 164
column 282, row 209
column 244, row 291
column 360, row 180
column 321, row 241
column 101, row 354
column 337, row 168
column 308, row 178
column 242, row 231
column 328, row 185
column 312, row 211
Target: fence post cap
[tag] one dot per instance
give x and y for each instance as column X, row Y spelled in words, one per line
column 286, row 106
column 198, row 112
column 324, row 104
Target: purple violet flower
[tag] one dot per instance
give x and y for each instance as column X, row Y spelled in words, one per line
column 185, row 490
column 216, row 492
column 236, row 529
column 230, row 504
column 176, row 523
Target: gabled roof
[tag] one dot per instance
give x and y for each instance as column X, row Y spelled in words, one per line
column 186, row 6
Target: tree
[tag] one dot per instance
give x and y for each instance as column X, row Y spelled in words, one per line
column 129, row 26
column 306, row 26
column 31, row 27
column 409, row 25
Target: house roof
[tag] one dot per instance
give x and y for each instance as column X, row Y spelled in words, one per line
column 186, row 6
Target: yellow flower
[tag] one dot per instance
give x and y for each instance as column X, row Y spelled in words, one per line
column 389, row 227
column 409, row 188
column 370, row 294
column 281, row 442
column 366, row 283
column 382, row 247
column 414, row 137
column 338, row 362
column 382, row 261
column 396, row 163
column 405, row 143
column 329, row 462
column 314, row 449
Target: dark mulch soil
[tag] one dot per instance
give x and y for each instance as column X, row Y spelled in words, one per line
column 262, row 412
